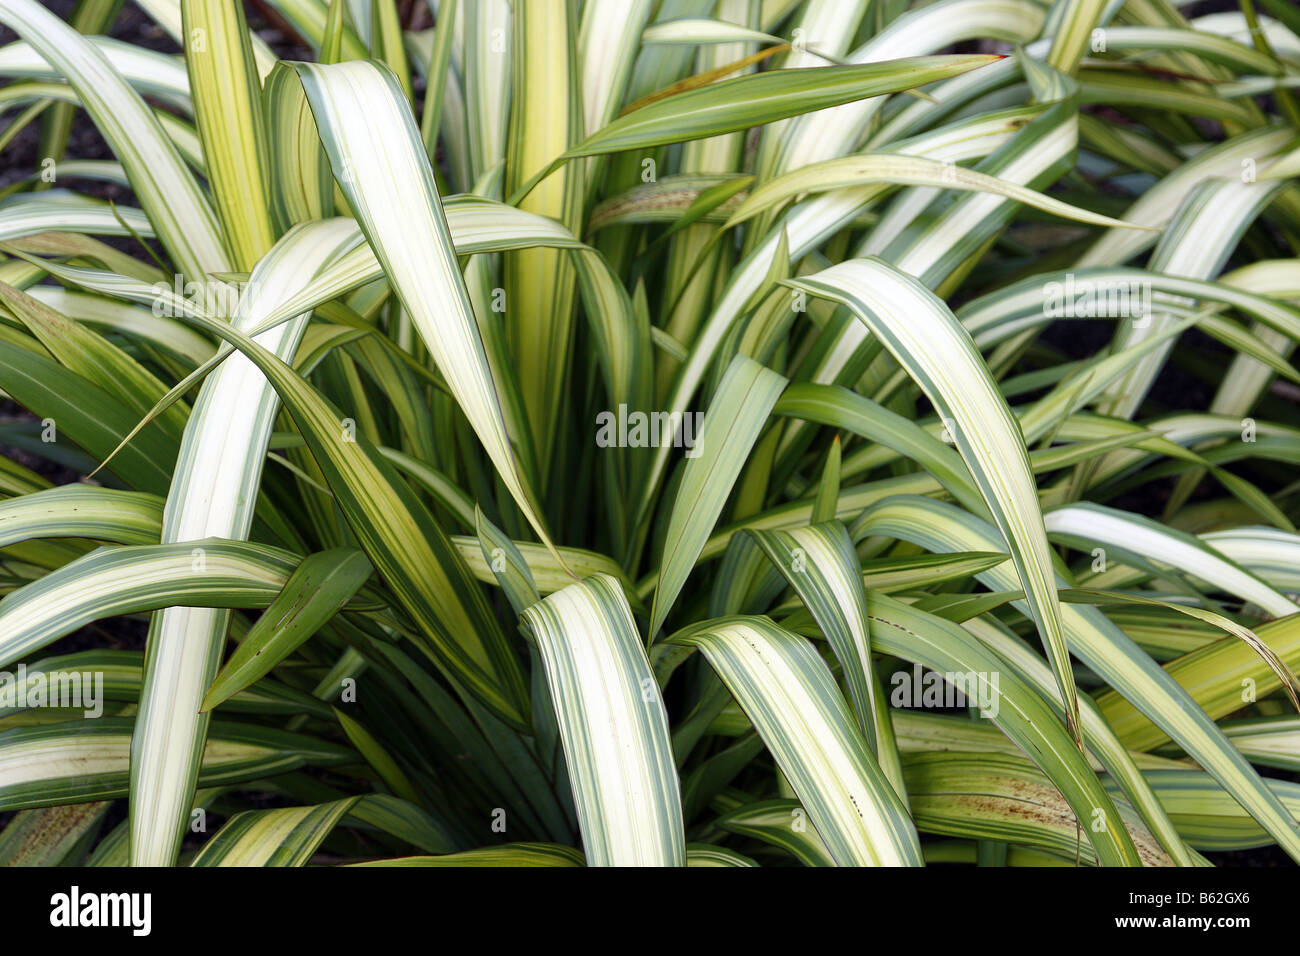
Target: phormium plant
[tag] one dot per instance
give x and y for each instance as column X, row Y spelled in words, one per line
column 663, row 432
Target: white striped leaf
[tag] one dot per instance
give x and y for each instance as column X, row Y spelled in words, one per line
column 166, row 189
column 546, row 573
column 545, row 119
column 802, row 230
column 831, row 133
column 819, row 563
column 1003, row 797
column 136, row 323
column 612, row 724
column 924, row 337
column 1100, row 738
column 748, row 101
column 1279, row 667
column 287, row 836
column 82, row 511
column 149, row 73
column 210, row 572
column 122, row 678
column 58, row 210
column 791, row 698
column 213, row 493
column 702, row 854
column 865, row 168
column 1022, row 701
column 1196, row 244
column 1134, row 534
column 1139, row 683
column 488, row 68
column 408, row 548
column 783, row 824
column 1070, row 26
column 83, row 760
column 389, row 184
column 704, row 31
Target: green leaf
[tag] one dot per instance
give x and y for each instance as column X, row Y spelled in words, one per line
column 228, row 114
column 314, row 593
column 412, row 554
column 213, row 493
column 737, row 413
column 378, row 758
column 1003, row 797
column 507, row 854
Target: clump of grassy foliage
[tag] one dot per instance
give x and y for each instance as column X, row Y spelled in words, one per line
column 662, row 432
